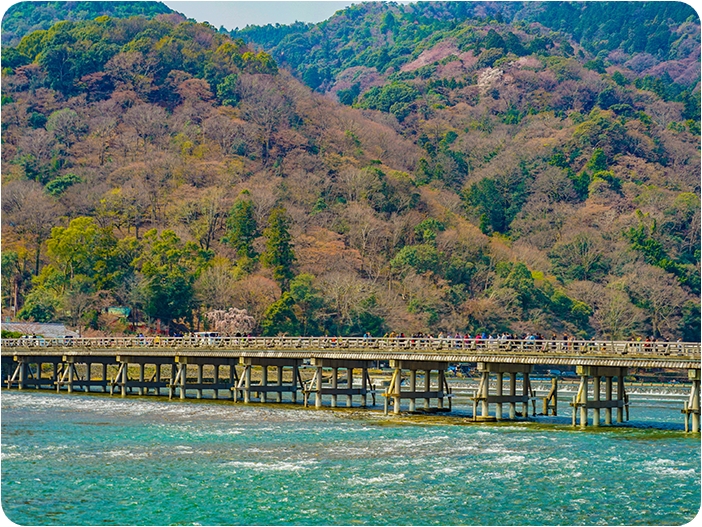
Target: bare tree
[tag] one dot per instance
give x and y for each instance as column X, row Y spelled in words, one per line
column 662, row 298
column 30, row 212
column 148, row 121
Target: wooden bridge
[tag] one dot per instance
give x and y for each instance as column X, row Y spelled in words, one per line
column 240, row 366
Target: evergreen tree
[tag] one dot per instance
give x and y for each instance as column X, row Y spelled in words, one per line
column 242, row 229
column 279, row 254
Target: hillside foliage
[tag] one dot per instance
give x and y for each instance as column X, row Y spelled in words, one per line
column 435, row 167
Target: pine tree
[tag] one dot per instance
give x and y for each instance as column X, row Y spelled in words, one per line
column 242, row 229
column 279, row 254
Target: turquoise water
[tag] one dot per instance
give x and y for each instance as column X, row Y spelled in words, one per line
column 98, row 460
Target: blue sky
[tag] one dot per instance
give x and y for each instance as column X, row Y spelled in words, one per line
column 233, row 14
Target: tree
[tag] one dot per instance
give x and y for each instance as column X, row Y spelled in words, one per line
column 32, row 213
column 149, row 122
column 65, row 125
column 170, row 268
column 579, row 259
column 231, row 321
column 661, row 297
column 242, row 229
column 279, row 318
column 279, row 255
column 308, row 303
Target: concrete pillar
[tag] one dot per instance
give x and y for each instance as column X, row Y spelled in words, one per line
column 199, row 381
column 279, row 397
column 334, row 385
column 364, row 383
column 22, row 373
column 498, row 406
column 264, row 382
column 38, row 376
column 413, row 388
column 295, row 375
column 427, row 387
column 157, row 378
column 216, row 380
column 596, row 398
column 71, row 370
column 485, row 382
column 318, row 384
column 525, row 393
column 247, row 384
column 398, row 388
column 440, row 388
column 124, row 378
column 104, row 376
column 141, row 377
column 608, row 398
column 620, row 397
column 695, row 400
column 349, row 397
column 583, row 408
column 513, row 393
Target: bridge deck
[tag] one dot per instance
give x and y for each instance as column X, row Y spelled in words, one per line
column 586, row 353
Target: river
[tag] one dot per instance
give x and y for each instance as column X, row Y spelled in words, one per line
column 96, row 460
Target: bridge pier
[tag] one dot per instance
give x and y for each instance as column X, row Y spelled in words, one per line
column 23, row 376
column 483, row 395
column 317, row 386
column 142, row 385
column 264, row 388
column 179, row 379
column 582, row 403
column 692, row 405
column 394, row 390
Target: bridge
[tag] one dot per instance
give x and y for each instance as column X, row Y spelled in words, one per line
column 242, row 368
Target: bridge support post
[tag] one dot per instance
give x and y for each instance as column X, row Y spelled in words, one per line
column 334, row 385
column 183, row 379
column 484, row 397
column 141, row 378
column 199, row 381
column 692, row 406
column 596, row 400
column 551, row 400
column 247, row 384
column 498, row 389
column 581, row 402
column 608, row 397
column 318, row 387
column 395, row 388
column 413, row 387
column 265, row 386
column 279, row 379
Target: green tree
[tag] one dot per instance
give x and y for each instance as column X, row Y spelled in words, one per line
column 279, row 255
column 242, row 229
column 308, row 303
column 279, row 318
column 170, row 268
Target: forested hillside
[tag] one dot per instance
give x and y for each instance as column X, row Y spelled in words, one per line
column 23, row 18
column 436, row 167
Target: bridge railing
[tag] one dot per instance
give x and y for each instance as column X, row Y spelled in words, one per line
column 406, row 344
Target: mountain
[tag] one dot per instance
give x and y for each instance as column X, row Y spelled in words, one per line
column 23, row 18
column 434, row 167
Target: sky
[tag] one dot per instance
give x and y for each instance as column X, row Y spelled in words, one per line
column 233, row 14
